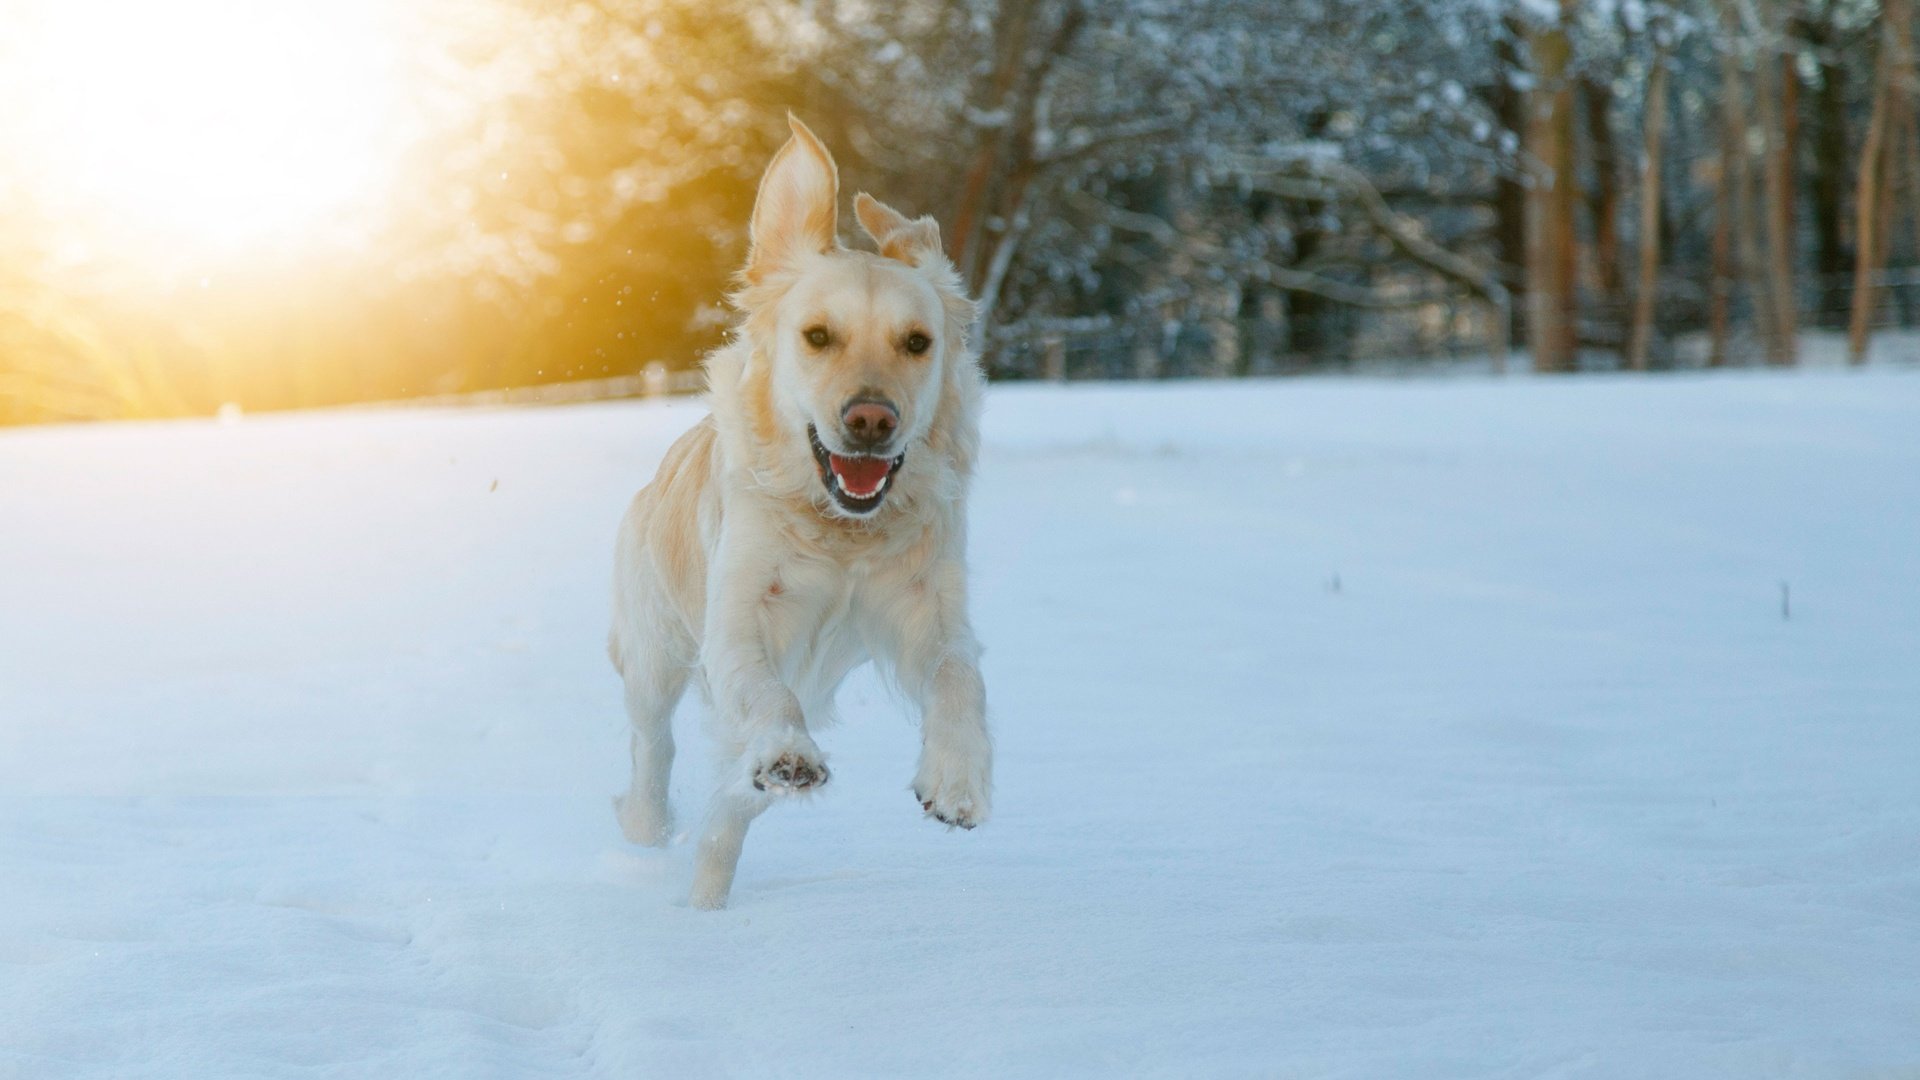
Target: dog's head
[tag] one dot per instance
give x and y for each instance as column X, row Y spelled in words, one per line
column 852, row 350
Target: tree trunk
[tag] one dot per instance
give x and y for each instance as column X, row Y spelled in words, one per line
column 1737, row 162
column 996, row 102
column 1790, row 121
column 1550, row 202
column 1008, row 158
column 1721, row 276
column 1783, row 329
column 1013, row 214
column 1910, row 141
column 1827, row 187
column 1509, row 107
column 1650, row 194
column 1870, row 228
column 1603, row 202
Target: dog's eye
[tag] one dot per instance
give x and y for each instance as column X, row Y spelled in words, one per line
column 817, row 336
column 918, row 343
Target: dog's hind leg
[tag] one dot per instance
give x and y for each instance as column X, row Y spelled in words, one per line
column 721, row 838
column 654, row 683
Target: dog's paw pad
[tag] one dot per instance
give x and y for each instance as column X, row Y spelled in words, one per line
column 790, row 772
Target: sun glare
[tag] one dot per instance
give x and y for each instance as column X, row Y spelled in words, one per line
column 213, row 124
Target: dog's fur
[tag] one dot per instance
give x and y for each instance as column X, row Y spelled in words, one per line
column 738, row 565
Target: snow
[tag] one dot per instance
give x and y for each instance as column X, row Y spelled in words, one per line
column 1430, row 728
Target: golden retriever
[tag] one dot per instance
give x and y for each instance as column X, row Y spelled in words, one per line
column 815, row 520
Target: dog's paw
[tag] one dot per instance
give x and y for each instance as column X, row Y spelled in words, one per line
column 790, row 772
column 790, row 768
column 954, row 790
column 643, row 823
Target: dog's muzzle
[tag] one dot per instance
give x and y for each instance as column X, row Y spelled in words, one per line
column 856, row 482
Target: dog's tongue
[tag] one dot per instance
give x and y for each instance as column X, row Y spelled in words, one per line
column 860, row 476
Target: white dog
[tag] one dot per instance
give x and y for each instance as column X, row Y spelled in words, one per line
column 817, row 519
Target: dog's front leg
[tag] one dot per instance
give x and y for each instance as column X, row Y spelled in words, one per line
column 766, row 750
column 955, row 780
column 939, row 664
column 760, row 717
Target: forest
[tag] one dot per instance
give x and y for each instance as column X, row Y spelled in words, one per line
column 557, row 191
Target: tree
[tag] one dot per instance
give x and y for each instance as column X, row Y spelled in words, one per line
column 1893, row 93
column 1645, row 292
column 1551, row 254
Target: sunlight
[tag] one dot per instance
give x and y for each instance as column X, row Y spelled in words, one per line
column 212, row 124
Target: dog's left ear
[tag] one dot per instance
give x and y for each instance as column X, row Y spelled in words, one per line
column 797, row 210
column 908, row 240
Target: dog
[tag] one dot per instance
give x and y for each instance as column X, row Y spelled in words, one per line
column 814, row 520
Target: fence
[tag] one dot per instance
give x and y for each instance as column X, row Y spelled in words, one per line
column 1444, row 331
column 1437, row 333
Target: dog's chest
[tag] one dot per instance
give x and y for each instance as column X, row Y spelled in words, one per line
column 828, row 618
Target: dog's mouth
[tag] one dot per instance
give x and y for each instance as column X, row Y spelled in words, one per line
column 856, row 482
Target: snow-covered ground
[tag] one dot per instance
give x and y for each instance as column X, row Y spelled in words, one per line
column 1444, row 728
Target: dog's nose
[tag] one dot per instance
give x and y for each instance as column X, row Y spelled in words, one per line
column 869, row 422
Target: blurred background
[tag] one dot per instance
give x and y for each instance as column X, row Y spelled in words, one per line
column 223, row 203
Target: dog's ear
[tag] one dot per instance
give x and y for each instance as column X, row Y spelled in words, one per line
column 898, row 237
column 798, row 208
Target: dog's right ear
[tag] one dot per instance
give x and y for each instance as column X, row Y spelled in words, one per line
column 798, row 209
column 898, row 237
